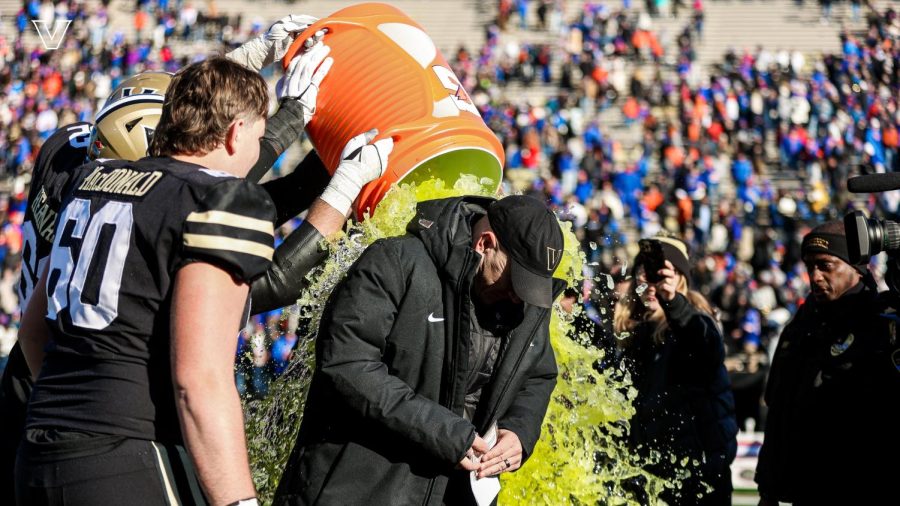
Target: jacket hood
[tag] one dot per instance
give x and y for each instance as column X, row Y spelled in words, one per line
column 445, row 228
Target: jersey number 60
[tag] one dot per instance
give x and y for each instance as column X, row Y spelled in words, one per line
column 87, row 262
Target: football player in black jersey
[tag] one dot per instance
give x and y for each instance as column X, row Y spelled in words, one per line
column 123, row 131
column 61, row 153
column 151, row 256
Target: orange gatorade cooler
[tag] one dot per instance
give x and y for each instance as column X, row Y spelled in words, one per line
column 388, row 74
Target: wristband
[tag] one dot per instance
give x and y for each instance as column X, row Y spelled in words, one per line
column 250, row 501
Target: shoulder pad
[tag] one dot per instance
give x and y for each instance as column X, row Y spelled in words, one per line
column 233, row 227
column 65, row 149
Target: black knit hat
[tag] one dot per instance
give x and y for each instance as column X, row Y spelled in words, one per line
column 531, row 236
column 832, row 244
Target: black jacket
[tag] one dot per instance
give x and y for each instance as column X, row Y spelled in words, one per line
column 684, row 404
column 383, row 420
column 834, row 405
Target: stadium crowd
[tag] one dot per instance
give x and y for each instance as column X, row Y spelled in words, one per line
column 704, row 167
column 710, row 160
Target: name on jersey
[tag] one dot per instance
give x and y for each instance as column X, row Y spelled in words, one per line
column 122, row 181
column 44, row 216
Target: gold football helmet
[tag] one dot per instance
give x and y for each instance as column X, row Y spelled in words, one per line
column 124, row 126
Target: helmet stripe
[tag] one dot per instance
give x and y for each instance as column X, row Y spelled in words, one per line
column 134, row 99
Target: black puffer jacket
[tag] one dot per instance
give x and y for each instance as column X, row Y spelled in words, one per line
column 384, row 422
column 834, row 404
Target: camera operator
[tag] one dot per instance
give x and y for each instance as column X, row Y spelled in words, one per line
column 834, row 388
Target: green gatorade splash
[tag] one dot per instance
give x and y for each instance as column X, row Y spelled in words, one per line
column 581, row 457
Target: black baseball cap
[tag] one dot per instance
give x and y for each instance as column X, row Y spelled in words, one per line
column 530, row 234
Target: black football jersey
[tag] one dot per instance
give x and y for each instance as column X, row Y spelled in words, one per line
column 124, row 231
column 59, row 155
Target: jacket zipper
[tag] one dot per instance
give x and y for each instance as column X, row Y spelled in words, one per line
column 448, row 390
column 515, row 368
column 428, row 492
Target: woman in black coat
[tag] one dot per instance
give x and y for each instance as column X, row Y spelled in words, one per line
column 675, row 352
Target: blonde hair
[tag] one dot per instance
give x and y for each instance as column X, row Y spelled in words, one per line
column 630, row 311
column 202, row 101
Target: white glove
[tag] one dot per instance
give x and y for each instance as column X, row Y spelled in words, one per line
column 261, row 51
column 362, row 161
column 303, row 77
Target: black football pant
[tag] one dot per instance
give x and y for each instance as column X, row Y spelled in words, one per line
column 122, row 471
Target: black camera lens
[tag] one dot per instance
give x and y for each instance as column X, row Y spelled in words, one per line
column 867, row 237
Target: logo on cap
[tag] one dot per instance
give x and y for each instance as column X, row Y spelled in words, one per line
column 553, row 257
column 818, row 242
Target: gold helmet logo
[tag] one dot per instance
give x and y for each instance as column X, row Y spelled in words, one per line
column 124, row 126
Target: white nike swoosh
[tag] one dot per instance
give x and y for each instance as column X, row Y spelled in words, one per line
column 432, row 319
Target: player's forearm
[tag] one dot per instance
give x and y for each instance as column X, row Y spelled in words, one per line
column 297, row 191
column 249, row 56
column 325, row 218
column 294, row 258
column 33, row 332
column 282, row 129
column 213, row 426
column 207, row 303
column 33, row 349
